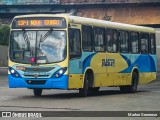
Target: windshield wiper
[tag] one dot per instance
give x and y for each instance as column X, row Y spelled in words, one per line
column 45, row 36
column 26, row 40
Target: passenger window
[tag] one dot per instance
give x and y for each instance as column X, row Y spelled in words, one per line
column 112, row 38
column 87, row 38
column 123, row 37
column 74, row 43
column 134, row 42
column 144, row 43
column 153, row 44
column 99, row 39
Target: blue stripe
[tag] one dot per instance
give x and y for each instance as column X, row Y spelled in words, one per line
column 127, row 60
column 87, row 61
column 145, row 63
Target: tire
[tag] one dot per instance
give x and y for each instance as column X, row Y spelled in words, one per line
column 94, row 90
column 37, row 92
column 124, row 89
column 84, row 91
column 133, row 87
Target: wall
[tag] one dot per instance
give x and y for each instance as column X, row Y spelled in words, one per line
column 130, row 15
column 107, row 1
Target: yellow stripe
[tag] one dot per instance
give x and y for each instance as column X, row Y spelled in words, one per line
column 75, row 81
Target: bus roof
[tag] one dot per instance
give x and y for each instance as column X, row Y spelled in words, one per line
column 95, row 22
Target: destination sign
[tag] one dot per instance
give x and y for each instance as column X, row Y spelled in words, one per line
column 38, row 22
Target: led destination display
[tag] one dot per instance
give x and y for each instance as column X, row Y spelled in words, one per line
column 38, row 22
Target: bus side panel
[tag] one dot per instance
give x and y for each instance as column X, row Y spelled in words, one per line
column 146, row 65
column 109, row 79
column 147, row 77
column 75, row 74
column 75, row 81
column 77, row 68
column 115, row 74
column 147, row 69
column 115, row 64
column 98, row 64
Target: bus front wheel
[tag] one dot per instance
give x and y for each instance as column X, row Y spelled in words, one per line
column 84, row 91
column 37, row 92
column 133, row 87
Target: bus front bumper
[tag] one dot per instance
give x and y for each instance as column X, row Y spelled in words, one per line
column 44, row 83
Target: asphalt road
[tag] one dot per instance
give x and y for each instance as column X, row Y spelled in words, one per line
column 108, row 99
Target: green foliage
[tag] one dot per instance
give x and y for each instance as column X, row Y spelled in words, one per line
column 4, row 34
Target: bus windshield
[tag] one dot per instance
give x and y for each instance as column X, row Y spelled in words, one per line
column 38, row 46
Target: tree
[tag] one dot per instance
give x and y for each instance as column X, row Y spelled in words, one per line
column 4, row 35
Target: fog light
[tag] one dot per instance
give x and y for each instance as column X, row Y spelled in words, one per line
column 56, row 75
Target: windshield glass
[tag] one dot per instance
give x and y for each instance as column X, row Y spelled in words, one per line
column 38, row 46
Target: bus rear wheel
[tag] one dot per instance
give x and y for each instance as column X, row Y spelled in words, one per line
column 37, row 92
column 133, row 87
column 84, row 91
column 94, row 89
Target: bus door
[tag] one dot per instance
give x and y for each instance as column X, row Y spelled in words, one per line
column 115, row 62
column 75, row 53
column 100, row 55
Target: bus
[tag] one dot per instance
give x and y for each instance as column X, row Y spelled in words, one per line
column 61, row 51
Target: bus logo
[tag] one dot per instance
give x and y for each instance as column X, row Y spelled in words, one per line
column 35, row 69
column 35, row 75
column 108, row 62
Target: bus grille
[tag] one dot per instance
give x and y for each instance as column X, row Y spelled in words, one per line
column 33, row 69
column 36, row 82
column 37, row 76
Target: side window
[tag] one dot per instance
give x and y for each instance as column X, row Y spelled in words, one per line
column 99, row 39
column 74, row 43
column 112, row 38
column 123, row 38
column 152, row 44
column 87, row 38
column 144, row 42
column 134, row 42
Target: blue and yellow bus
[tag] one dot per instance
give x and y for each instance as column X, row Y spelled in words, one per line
column 68, row 52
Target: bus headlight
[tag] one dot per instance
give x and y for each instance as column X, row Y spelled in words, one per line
column 14, row 73
column 59, row 73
